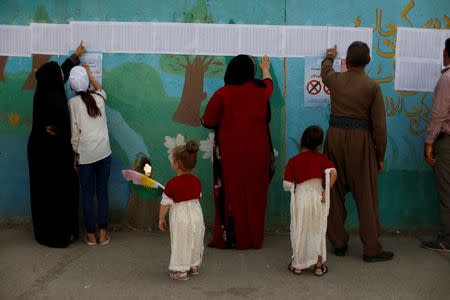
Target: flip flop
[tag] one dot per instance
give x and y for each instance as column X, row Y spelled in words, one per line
column 294, row 270
column 88, row 242
column 105, row 242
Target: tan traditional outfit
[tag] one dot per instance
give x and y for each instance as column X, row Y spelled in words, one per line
column 355, row 142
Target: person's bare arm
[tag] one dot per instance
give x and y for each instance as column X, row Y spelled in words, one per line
column 163, row 209
column 333, row 177
column 265, row 67
column 94, row 82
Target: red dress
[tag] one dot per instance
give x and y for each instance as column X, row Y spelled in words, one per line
column 239, row 113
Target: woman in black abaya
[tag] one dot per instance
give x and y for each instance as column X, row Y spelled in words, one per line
column 53, row 179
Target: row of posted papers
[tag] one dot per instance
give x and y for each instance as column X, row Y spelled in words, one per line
column 418, row 54
column 178, row 38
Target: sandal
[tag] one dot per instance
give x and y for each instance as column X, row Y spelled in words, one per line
column 320, row 271
column 103, row 234
column 294, row 270
column 105, row 242
column 194, row 271
column 177, row 275
column 87, row 241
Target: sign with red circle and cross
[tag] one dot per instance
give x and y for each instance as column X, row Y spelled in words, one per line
column 314, row 87
column 315, row 92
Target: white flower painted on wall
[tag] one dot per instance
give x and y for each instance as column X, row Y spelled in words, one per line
column 207, row 146
column 172, row 142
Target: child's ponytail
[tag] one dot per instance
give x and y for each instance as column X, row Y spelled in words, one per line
column 91, row 105
column 192, row 147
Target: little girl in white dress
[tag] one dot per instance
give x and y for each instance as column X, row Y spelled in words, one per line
column 304, row 178
column 182, row 197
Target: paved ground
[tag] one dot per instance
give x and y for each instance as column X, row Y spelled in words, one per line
column 134, row 266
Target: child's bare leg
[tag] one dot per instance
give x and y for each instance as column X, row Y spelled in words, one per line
column 319, row 262
column 320, row 268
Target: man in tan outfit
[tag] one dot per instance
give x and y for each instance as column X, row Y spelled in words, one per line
column 356, row 143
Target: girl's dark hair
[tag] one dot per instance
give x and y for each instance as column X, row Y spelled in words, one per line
column 358, row 54
column 186, row 155
column 240, row 70
column 312, row 138
column 91, row 105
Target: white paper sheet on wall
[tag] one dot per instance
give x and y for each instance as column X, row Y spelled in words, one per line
column 50, row 38
column 15, row 40
column 96, row 36
column 175, row 38
column 217, row 39
column 261, row 40
column 132, row 37
column 181, row 38
column 344, row 36
column 417, row 75
column 95, row 62
column 305, row 41
column 419, row 43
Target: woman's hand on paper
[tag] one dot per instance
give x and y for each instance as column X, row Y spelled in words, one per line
column 265, row 63
column 80, row 49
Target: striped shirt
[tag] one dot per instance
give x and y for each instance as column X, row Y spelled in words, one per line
column 440, row 112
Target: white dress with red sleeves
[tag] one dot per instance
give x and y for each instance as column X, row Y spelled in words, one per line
column 308, row 222
column 187, row 230
column 304, row 179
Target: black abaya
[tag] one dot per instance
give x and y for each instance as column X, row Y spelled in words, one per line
column 53, row 180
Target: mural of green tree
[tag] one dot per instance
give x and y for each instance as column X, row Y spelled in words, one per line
column 40, row 16
column 194, row 68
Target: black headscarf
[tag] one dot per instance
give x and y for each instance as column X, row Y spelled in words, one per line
column 49, row 76
column 50, row 101
column 240, row 70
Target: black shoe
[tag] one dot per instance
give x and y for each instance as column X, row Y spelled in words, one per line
column 441, row 244
column 383, row 256
column 443, row 236
column 341, row 251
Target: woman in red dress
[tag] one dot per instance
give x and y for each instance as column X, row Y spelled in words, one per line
column 239, row 113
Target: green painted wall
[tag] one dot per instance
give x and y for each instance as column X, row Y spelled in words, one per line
column 145, row 92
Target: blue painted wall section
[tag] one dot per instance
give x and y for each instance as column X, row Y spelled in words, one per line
column 144, row 93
